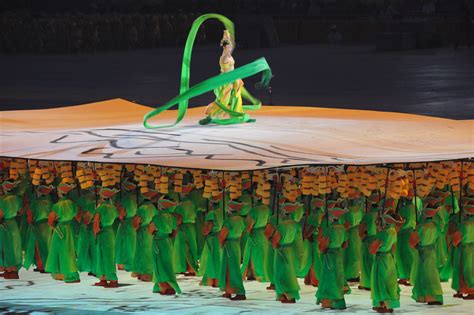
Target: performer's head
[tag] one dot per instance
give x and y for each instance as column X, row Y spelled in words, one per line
column 227, row 42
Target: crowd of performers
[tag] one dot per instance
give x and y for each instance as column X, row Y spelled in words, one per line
column 381, row 226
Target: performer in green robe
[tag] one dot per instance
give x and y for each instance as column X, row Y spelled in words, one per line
column 300, row 247
column 424, row 275
column 86, row 243
column 353, row 251
column 452, row 207
column 39, row 232
column 332, row 283
column 284, row 260
column 105, row 216
column 210, row 262
column 230, row 276
column 185, row 255
column 163, row 227
column 143, row 261
column 200, row 203
column 463, row 240
column 126, row 235
column 311, row 230
column 61, row 261
column 367, row 231
column 255, row 260
column 385, row 291
column 442, row 220
column 247, row 201
column 10, row 238
column 404, row 253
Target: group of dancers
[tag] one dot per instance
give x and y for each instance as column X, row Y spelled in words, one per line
column 381, row 226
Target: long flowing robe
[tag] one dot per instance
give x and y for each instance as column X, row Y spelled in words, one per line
column 162, row 250
column 256, row 247
column 10, row 238
column 39, row 232
column 86, row 243
column 231, row 256
column 463, row 274
column 447, row 271
column 384, row 285
column 314, row 254
column 106, row 242
column 353, row 251
column 442, row 220
column 332, row 282
column 62, row 253
column 201, row 206
column 211, row 254
column 142, row 262
column 126, row 239
column 367, row 258
column 185, row 244
column 424, row 275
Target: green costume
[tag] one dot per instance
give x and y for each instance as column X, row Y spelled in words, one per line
column 62, row 254
column 442, row 220
column 424, row 275
column 384, row 286
column 126, row 235
column 257, row 246
column 367, row 258
column 231, row 255
column 284, row 260
column 86, row 245
column 143, row 262
column 39, row 232
column 300, row 248
column 246, row 199
column 332, row 282
column 185, row 245
column 10, row 238
column 353, row 251
column 463, row 275
column 201, row 206
column 162, row 250
column 447, row 271
column 211, row 254
column 313, row 263
column 106, row 242
column 404, row 253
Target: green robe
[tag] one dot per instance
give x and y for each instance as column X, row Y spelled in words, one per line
column 424, row 275
column 126, row 235
column 246, row 199
column 369, row 220
column 143, row 262
column 10, row 238
column 442, row 220
column 447, row 271
column 353, row 251
column 39, row 232
column 211, row 254
column 404, row 253
column 284, row 260
column 106, row 242
column 384, row 286
column 185, row 245
column 256, row 247
column 333, row 282
column 62, row 253
column 300, row 248
column 314, row 254
column 201, row 206
column 86, row 244
column 162, row 250
column 231, row 255
column 464, row 258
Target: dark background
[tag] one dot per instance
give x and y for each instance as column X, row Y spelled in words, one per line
column 411, row 56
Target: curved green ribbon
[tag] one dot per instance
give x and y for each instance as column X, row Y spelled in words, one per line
column 186, row 93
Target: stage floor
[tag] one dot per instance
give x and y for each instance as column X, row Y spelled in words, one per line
column 38, row 293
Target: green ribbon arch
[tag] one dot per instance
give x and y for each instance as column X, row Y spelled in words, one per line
column 186, row 93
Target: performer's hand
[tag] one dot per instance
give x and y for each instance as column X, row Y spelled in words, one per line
column 375, row 246
column 78, row 216
column 269, row 229
column 347, row 225
column 52, row 217
column 323, row 243
column 250, row 223
column 173, row 233
column 87, row 217
column 1, row 214
column 152, row 228
column 136, row 222
column 457, row 238
column 122, row 213
column 276, row 239
column 414, row 239
column 223, row 236
column 207, row 228
column 96, row 226
column 29, row 216
column 451, row 228
column 362, row 231
column 179, row 219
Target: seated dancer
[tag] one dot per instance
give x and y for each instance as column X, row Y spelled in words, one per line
column 163, row 228
column 104, row 218
column 210, row 262
column 61, row 261
column 367, row 231
column 230, row 276
column 256, row 259
column 385, row 292
column 463, row 240
column 353, row 251
column 86, row 244
column 185, row 245
column 311, row 229
column 10, row 238
column 424, row 275
column 143, row 262
column 404, row 253
column 126, row 235
column 284, row 260
column 39, row 232
column 332, row 238
column 228, row 96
